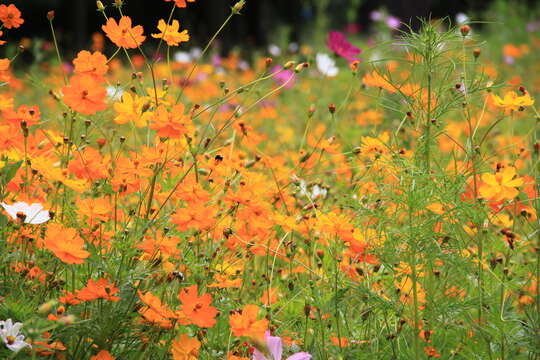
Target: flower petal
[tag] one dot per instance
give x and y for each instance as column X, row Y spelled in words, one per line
column 300, row 356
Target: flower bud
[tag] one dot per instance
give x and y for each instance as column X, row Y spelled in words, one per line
column 301, row 66
column 100, row 6
column 288, row 65
column 465, row 30
column 50, row 15
column 311, row 110
column 238, row 6
column 67, row 320
column 307, row 309
column 332, row 108
column 46, row 307
column 354, row 66
column 476, row 53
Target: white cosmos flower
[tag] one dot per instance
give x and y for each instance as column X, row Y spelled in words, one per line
column 114, row 93
column 31, row 214
column 462, row 18
column 293, row 47
column 183, row 57
column 9, row 333
column 195, row 52
column 274, row 50
column 314, row 191
column 326, row 65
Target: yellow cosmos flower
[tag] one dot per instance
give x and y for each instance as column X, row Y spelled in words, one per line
column 501, row 186
column 169, row 33
column 132, row 109
column 512, row 101
column 501, row 219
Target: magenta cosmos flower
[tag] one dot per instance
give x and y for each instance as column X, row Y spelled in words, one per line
column 275, row 350
column 341, row 46
column 283, row 77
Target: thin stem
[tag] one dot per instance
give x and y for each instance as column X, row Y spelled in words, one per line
column 184, row 84
column 60, row 62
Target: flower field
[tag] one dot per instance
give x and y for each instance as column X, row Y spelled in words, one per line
column 356, row 198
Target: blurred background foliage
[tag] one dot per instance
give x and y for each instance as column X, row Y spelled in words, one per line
column 263, row 21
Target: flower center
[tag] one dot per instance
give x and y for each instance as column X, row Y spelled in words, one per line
column 21, row 215
column 10, row 340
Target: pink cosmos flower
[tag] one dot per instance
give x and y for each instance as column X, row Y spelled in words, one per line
column 393, row 22
column 283, row 77
column 275, row 350
column 341, row 46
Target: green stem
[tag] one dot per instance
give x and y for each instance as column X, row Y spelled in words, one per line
column 58, row 51
column 202, row 55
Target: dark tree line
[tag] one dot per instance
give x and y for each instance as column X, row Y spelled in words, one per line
column 76, row 20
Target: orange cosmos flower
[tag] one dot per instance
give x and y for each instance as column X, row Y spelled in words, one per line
column 93, row 64
column 501, row 186
column 5, row 74
column 10, row 16
column 231, row 356
column 340, row 341
column 100, row 289
column 103, row 355
column 181, row 3
column 31, row 115
column 173, row 124
column 89, row 164
column 66, row 244
column 4, row 64
column 69, row 298
column 85, row 95
column 223, row 282
column 245, row 323
column 270, row 296
column 185, row 348
column 160, row 246
column 155, row 312
column 196, row 216
column 375, row 79
column 46, row 346
column 95, row 209
column 169, row 33
column 196, row 309
column 122, row 34
column 431, row 352
column 98, row 41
